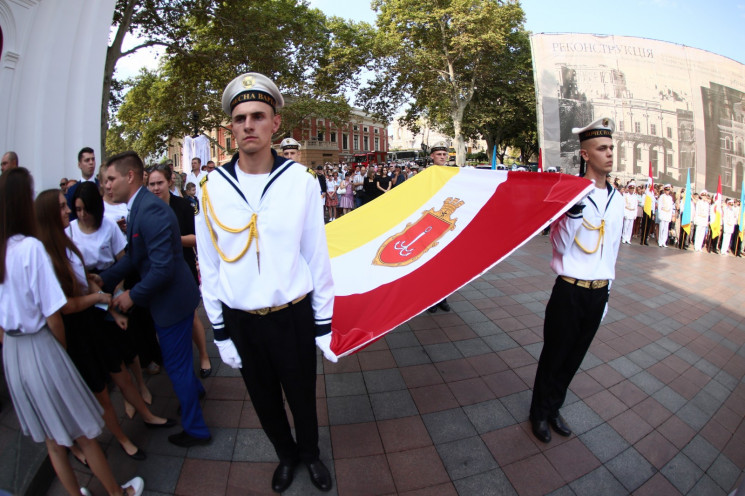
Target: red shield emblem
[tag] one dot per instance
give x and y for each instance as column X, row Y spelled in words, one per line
column 417, row 238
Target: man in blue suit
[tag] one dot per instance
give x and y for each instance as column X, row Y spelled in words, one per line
column 166, row 286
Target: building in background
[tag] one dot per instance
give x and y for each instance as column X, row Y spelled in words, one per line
column 52, row 57
column 677, row 108
column 321, row 141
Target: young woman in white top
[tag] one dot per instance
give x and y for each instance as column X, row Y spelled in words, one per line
column 102, row 243
column 50, row 398
column 96, row 346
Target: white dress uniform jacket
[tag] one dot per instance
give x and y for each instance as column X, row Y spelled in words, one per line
column 289, row 257
column 597, row 229
column 631, row 201
column 665, row 211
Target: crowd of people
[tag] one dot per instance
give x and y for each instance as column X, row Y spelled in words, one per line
column 664, row 226
column 99, row 281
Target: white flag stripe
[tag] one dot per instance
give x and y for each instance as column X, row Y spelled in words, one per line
column 471, row 185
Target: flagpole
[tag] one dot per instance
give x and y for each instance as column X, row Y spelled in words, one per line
column 494, row 157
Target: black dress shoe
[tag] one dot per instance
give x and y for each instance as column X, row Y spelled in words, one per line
column 282, row 477
column 138, row 455
column 166, row 425
column 444, row 305
column 319, row 475
column 186, row 440
column 541, row 430
column 432, row 309
column 205, row 373
column 559, row 425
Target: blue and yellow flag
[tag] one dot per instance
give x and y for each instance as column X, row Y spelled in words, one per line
column 685, row 216
column 742, row 208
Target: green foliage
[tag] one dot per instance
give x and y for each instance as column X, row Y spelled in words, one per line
column 312, row 58
column 438, row 55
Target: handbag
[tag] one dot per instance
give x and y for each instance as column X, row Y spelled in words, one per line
column 340, row 190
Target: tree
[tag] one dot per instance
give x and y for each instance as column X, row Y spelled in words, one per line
column 312, row 58
column 503, row 111
column 154, row 23
column 436, row 53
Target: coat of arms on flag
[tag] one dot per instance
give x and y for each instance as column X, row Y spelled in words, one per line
column 426, row 238
column 416, row 239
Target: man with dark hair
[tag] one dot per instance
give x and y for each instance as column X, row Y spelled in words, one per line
column 439, row 155
column 266, row 276
column 87, row 166
column 585, row 243
column 9, row 161
column 196, row 175
column 166, row 285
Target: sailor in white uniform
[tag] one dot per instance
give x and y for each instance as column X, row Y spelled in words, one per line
column 701, row 220
column 631, row 201
column 266, row 275
column 665, row 212
column 585, row 245
column 729, row 219
column 290, row 148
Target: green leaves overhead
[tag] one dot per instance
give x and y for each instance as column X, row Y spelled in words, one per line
column 313, row 59
column 438, row 55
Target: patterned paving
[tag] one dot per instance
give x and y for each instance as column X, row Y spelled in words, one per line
column 440, row 406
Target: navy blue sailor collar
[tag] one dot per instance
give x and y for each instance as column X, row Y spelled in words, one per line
column 279, row 167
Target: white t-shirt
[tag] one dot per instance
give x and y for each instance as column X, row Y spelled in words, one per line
column 252, row 185
column 99, row 249
column 115, row 211
column 30, row 292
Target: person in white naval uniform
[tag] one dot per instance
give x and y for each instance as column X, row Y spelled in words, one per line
column 266, row 276
column 631, row 201
column 585, row 244
column 729, row 219
column 665, row 213
column 701, row 220
column 290, row 148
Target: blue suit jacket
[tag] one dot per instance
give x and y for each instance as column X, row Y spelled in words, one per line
column 167, row 286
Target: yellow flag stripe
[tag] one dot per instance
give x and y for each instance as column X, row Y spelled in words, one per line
column 373, row 219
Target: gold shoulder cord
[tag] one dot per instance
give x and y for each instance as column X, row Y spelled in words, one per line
column 590, row 227
column 253, row 232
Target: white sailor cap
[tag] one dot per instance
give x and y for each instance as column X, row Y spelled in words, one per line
column 251, row 87
column 704, row 192
column 289, row 144
column 632, row 184
column 601, row 128
column 438, row 147
column 667, row 186
column 551, row 169
column 730, row 200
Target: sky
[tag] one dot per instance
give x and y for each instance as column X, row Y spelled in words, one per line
column 713, row 25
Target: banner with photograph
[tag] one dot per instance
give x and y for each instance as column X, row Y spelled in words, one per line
column 679, row 108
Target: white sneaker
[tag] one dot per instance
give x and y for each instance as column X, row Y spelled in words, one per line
column 85, row 492
column 137, row 484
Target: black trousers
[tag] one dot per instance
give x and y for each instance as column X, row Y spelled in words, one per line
column 573, row 315
column 646, row 228
column 278, row 353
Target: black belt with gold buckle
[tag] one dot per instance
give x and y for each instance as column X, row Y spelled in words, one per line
column 268, row 310
column 597, row 284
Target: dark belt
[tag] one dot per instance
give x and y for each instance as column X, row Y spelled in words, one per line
column 268, row 310
column 600, row 283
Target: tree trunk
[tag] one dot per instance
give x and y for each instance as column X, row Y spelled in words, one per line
column 113, row 54
column 460, row 143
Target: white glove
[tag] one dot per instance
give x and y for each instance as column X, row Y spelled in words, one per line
column 229, row 353
column 324, row 344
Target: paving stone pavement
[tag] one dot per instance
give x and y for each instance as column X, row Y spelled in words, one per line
column 440, row 405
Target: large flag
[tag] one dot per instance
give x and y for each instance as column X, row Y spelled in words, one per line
column 649, row 195
column 742, row 209
column 407, row 250
column 685, row 216
column 716, row 218
column 540, row 160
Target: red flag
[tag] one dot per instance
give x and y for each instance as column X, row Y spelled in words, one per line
column 408, row 249
column 540, row 160
column 649, row 195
